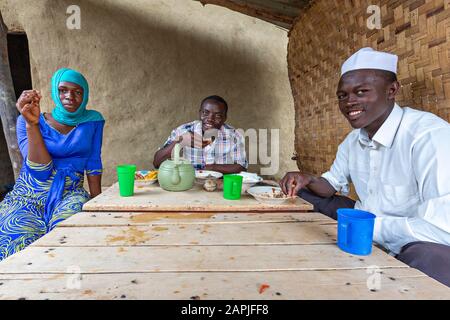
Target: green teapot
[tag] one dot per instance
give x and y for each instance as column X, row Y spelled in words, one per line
column 177, row 174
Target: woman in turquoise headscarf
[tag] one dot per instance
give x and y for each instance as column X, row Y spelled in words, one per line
column 58, row 148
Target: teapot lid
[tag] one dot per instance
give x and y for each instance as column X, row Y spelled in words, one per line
column 170, row 164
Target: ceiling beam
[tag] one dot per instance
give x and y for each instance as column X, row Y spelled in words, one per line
column 282, row 15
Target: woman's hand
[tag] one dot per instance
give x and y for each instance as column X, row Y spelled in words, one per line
column 28, row 106
column 95, row 185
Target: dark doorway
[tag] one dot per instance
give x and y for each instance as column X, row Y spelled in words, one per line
column 19, row 61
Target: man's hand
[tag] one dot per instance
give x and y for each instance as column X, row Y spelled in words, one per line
column 186, row 140
column 28, row 106
column 209, row 137
column 292, row 182
column 207, row 142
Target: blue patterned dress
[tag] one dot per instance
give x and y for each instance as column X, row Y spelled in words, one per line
column 46, row 194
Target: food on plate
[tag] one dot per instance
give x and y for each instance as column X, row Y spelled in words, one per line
column 269, row 195
column 206, row 142
column 275, row 194
column 146, row 175
column 207, row 174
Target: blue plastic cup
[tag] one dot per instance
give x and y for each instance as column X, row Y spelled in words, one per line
column 355, row 231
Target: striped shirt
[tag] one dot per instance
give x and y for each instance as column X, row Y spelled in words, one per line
column 228, row 146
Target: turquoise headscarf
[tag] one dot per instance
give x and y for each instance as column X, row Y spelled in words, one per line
column 59, row 113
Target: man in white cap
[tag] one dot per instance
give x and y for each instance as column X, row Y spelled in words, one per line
column 397, row 159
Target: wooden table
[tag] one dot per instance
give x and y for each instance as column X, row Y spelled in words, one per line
column 154, row 199
column 144, row 255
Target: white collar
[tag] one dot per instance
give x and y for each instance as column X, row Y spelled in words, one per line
column 386, row 133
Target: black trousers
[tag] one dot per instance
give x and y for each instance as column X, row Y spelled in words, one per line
column 433, row 259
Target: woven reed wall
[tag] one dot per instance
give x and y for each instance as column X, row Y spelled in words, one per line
column 330, row 31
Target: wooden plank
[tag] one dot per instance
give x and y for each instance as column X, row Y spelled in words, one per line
column 155, row 199
column 191, row 259
column 193, row 234
column 93, row 219
column 399, row 284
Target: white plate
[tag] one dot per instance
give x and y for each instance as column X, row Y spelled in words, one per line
column 247, row 185
column 207, row 174
column 261, row 195
column 250, row 178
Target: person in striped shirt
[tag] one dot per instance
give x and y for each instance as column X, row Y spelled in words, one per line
column 209, row 143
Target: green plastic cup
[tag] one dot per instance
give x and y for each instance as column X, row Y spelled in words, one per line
column 232, row 186
column 125, row 174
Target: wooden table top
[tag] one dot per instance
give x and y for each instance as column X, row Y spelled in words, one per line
column 143, row 255
column 153, row 198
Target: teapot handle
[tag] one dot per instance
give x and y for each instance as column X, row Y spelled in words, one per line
column 176, row 153
column 175, row 178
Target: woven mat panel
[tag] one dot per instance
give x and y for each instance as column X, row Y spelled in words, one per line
column 326, row 34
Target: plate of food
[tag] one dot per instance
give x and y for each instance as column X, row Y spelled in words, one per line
column 207, row 174
column 145, row 177
column 269, row 195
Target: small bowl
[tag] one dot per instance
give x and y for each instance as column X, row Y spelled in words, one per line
column 266, row 195
column 202, row 175
column 210, row 185
column 141, row 178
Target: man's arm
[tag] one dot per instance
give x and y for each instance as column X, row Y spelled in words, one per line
column 163, row 154
column 186, row 139
column 432, row 222
column 292, row 182
column 225, row 168
column 336, row 179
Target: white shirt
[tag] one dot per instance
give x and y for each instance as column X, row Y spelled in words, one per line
column 227, row 148
column 402, row 176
